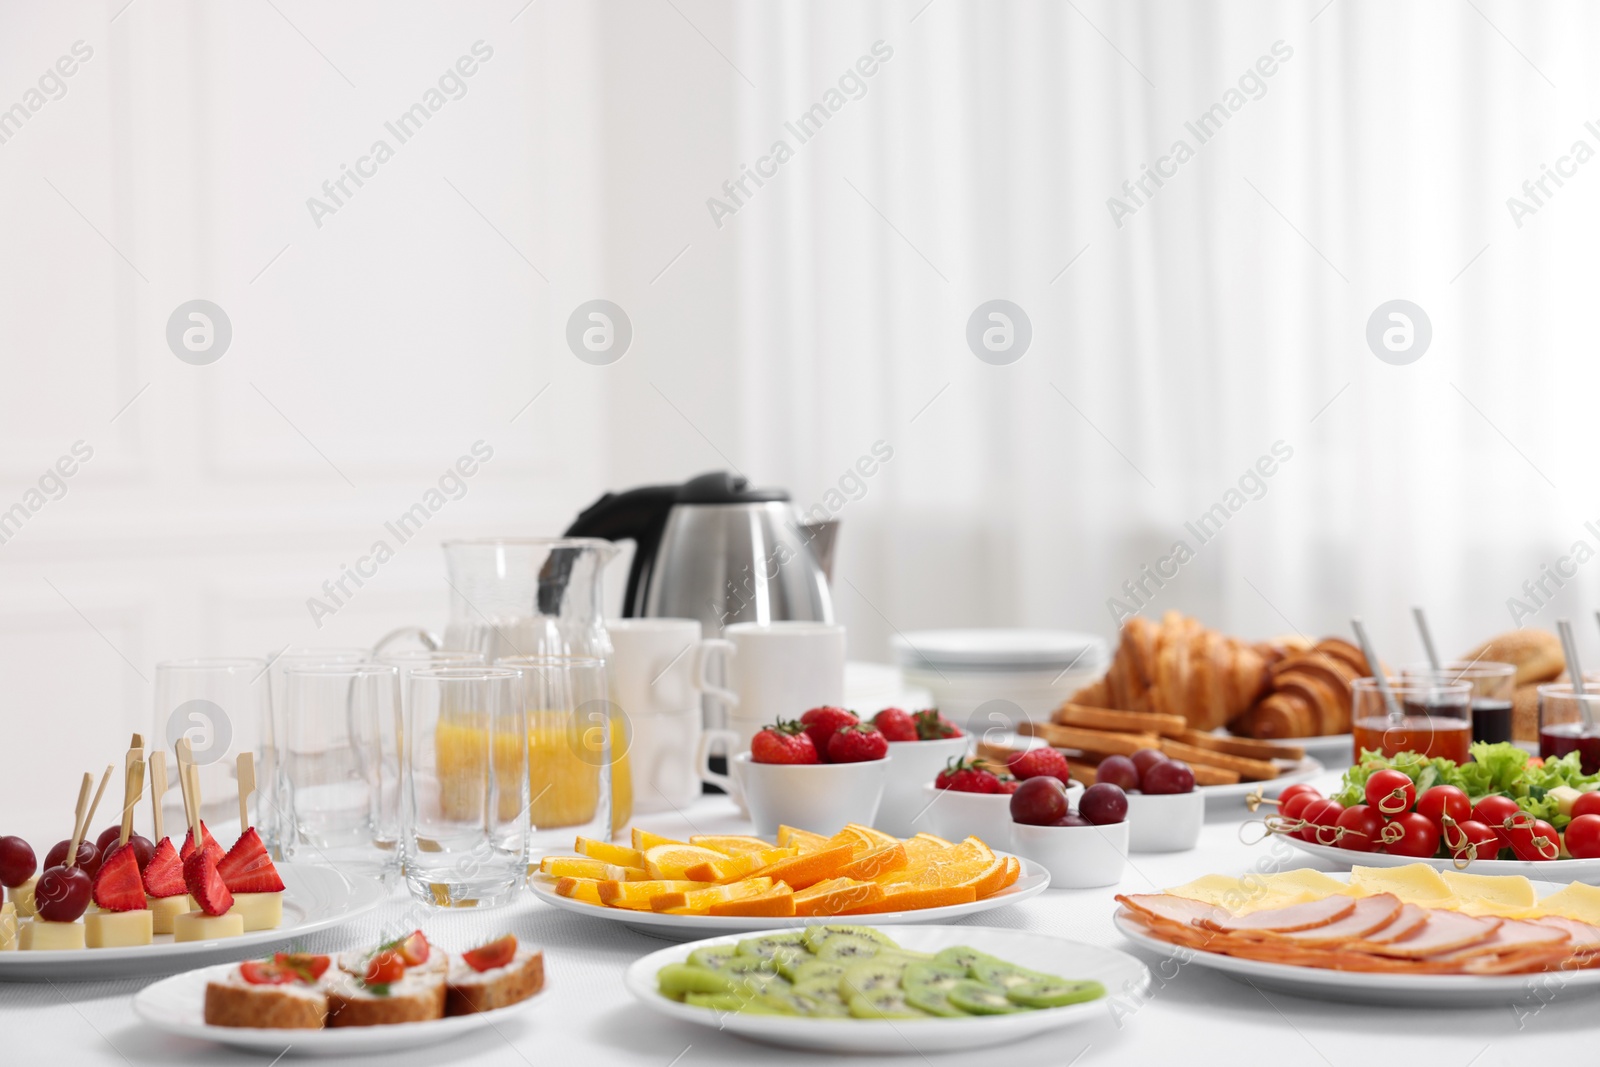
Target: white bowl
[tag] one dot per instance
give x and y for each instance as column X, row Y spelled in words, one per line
column 1077, row 857
column 1165, row 822
column 820, row 797
column 954, row 815
column 916, row 764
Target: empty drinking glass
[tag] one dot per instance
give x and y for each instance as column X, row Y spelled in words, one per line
column 268, row 774
column 220, row 705
column 464, row 806
column 340, row 763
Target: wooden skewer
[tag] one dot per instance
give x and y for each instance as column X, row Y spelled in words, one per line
column 247, row 785
column 158, row 789
column 98, row 793
column 78, row 819
column 191, row 788
column 132, row 790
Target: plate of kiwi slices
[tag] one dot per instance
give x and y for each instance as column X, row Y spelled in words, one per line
column 843, row 987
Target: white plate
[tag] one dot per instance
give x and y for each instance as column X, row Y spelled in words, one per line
column 1301, row 771
column 1362, row 987
column 314, row 898
column 177, row 1006
column 1332, row 749
column 1032, row 881
column 1572, row 870
column 999, row 650
column 1120, row 973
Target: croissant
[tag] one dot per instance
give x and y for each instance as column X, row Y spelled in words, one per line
column 1307, row 693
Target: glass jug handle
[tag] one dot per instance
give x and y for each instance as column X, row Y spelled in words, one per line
column 429, row 639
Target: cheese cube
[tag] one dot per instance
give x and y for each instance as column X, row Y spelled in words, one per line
column 260, row 911
column 198, row 926
column 41, row 935
column 8, row 927
column 117, row 929
column 164, row 910
column 22, row 897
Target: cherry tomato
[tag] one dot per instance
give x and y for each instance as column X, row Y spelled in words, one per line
column 1493, row 811
column 413, row 948
column 1444, row 800
column 385, row 967
column 1295, row 806
column 1298, row 789
column 264, row 972
column 303, row 965
column 1322, row 818
column 1588, row 804
column 1532, row 839
column 1411, row 835
column 496, row 953
column 1471, row 840
column 1359, row 826
column 1391, row 792
column 1583, row 835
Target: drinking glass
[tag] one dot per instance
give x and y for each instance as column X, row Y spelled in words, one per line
column 268, row 775
column 1493, row 686
column 1562, row 726
column 1435, row 720
column 220, row 706
column 411, row 660
column 464, row 808
column 340, row 765
column 577, row 750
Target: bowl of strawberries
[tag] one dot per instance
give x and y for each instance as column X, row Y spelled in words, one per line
column 972, row 797
column 921, row 744
column 817, row 773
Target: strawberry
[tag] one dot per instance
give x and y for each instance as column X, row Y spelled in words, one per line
column 783, row 742
column 1039, row 763
column 895, row 724
column 822, row 723
column 205, row 836
column 205, row 884
column 931, row 726
column 1008, row 784
column 968, row 776
column 860, row 743
column 247, row 868
column 496, row 953
column 163, row 875
column 117, row 886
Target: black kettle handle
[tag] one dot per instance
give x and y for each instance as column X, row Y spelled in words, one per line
column 637, row 514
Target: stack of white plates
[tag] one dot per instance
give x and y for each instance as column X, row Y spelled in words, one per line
column 994, row 678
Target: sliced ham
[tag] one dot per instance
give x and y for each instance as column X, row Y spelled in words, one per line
column 1511, row 936
column 1405, row 924
column 1444, row 931
column 1369, row 916
column 1165, row 906
column 1306, row 916
column 1585, row 938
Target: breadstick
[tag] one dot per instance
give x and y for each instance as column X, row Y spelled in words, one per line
column 1250, row 769
column 1239, row 746
column 1094, row 742
column 1132, row 722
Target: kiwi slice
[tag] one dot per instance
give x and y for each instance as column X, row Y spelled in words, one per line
column 976, row 998
column 818, row 1000
column 817, row 936
column 959, row 956
column 870, row 975
column 772, row 946
column 991, row 971
column 1054, row 992
column 927, row 987
column 805, row 969
column 883, row 1004
column 676, row 980
column 731, row 1002
column 713, row 957
column 826, row 991
column 847, row 947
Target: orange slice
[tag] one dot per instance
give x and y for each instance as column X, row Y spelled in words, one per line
column 878, row 861
column 809, row 868
column 581, row 867
column 805, row 840
column 1013, row 872
column 734, row 867
column 621, row 855
column 851, row 835
column 672, row 862
column 836, row 895
column 584, row 889
column 904, row 897
column 965, row 864
column 644, row 839
column 637, row 895
column 699, row 901
column 779, row 903
column 877, row 838
column 732, row 844
column 934, row 840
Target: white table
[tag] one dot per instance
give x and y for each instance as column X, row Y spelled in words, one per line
column 587, row 1019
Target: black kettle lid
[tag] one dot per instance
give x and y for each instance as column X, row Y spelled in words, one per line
column 723, row 487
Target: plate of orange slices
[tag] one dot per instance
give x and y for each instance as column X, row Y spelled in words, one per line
column 726, row 884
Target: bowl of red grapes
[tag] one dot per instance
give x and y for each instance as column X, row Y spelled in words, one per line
column 1080, row 848
column 1165, row 812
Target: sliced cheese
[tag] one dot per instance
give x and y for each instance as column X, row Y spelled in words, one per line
column 1304, row 880
column 1577, row 901
column 1508, row 896
column 1211, row 888
column 117, row 929
column 1415, row 883
column 40, row 935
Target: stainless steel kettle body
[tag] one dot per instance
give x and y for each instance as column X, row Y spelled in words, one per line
column 716, row 550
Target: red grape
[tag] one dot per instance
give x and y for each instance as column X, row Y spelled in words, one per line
column 1169, row 776
column 107, row 838
column 1118, row 771
column 1103, row 804
column 1444, row 800
column 1391, row 792
column 1360, row 825
column 88, row 857
column 1039, row 802
column 143, row 849
column 1146, row 758
column 17, row 862
column 1072, row 818
column 62, row 894
column 1583, row 836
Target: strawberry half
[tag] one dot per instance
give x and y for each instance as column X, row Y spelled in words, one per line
column 205, row 884
column 163, row 875
column 117, row 886
column 247, row 868
column 210, row 843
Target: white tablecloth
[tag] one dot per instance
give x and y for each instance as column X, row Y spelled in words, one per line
column 586, row 1018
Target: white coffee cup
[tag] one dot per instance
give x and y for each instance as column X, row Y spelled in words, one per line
column 658, row 669
column 779, row 670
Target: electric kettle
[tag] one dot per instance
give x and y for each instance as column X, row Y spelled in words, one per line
column 716, row 550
